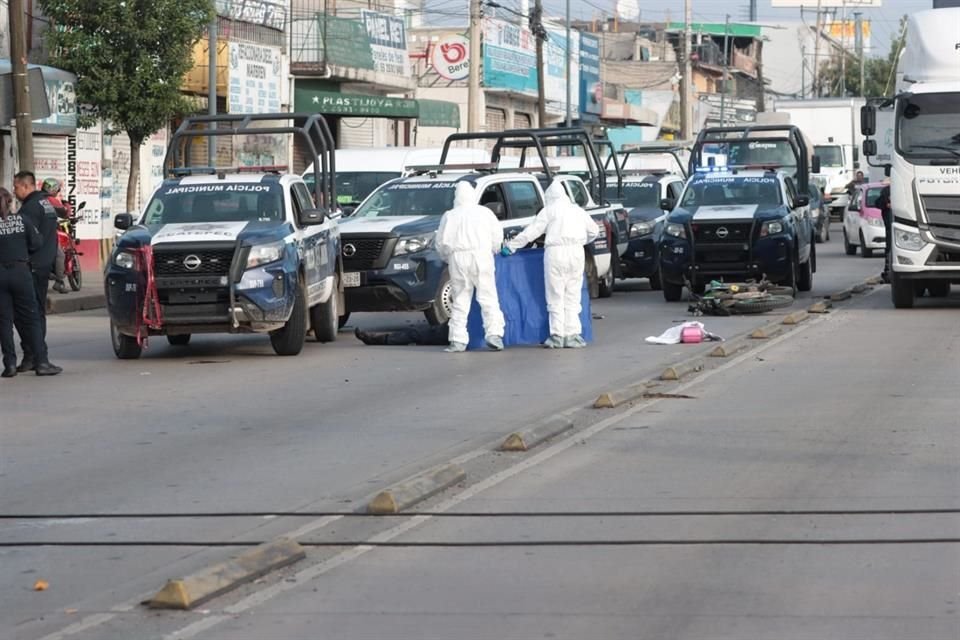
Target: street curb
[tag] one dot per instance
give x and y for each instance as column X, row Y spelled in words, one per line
column 417, row 489
column 617, row 397
column 796, row 317
column 820, row 307
column 685, row 368
column 767, row 331
column 192, row 590
column 529, row 438
column 70, row 302
column 729, row 348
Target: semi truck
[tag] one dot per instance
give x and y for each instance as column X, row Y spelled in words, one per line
column 924, row 167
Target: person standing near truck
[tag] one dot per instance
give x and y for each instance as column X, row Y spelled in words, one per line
column 883, row 203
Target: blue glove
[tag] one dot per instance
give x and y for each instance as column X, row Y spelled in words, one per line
column 506, row 251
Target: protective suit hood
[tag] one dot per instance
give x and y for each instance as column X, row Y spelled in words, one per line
column 464, row 195
column 556, row 194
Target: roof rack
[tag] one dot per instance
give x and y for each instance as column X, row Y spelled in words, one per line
column 806, row 163
column 421, row 169
column 181, row 172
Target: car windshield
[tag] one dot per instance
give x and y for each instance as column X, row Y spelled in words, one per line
column 220, row 202
column 732, row 190
column 929, row 127
column 354, row 186
column 638, row 194
column 873, row 194
column 830, row 155
column 759, row 153
column 408, row 199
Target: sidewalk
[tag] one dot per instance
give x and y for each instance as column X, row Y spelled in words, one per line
column 89, row 297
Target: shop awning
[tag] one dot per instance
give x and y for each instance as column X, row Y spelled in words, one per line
column 429, row 113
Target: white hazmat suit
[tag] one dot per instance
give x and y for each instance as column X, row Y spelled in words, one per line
column 468, row 236
column 567, row 228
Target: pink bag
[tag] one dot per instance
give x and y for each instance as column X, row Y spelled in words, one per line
column 691, row 335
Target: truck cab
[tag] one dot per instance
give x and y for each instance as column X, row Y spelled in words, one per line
column 230, row 250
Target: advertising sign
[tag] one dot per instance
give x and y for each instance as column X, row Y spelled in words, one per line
column 255, row 76
column 590, row 101
column 261, row 12
column 509, row 57
column 388, row 42
column 84, row 157
column 555, row 70
column 450, row 57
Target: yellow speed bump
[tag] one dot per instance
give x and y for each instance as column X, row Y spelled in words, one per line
column 529, row 438
column 767, row 331
column 863, row 287
column 679, row 370
column 839, row 296
column 820, row 307
column 616, row 397
column 189, row 591
column 417, row 489
column 796, row 317
column 727, row 349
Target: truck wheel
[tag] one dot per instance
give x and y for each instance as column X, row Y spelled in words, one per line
column 790, row 282
column 606, row 283
column 289, row 340
column 672, row 292
column 656, row 282
column 864, row 251
column 902, row 292
column 938, row 288
column 179, row 340
column 593, row 280
column 325, row 317
column 850, row 249
column 824, row 234
column 124, row 347
column 439, row 312
column 805, row 276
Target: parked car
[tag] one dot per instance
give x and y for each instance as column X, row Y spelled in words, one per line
column 863, row 222
column 820, row 214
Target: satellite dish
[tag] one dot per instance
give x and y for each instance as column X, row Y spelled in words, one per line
column 628, row 9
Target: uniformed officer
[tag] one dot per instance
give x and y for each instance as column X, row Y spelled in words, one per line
column 17, row 298
column 37, row 211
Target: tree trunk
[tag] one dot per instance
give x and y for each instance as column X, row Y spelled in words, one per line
column 133, row 182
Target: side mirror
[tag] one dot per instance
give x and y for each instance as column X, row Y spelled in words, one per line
column 869, row 148
column 801, row 201
column 123, row 221
column 312, row 216
column 868, row 120
column 498, row 209
column 667, row 204
column 815, row 164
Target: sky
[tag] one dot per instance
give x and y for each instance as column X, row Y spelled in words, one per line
column 885, row 20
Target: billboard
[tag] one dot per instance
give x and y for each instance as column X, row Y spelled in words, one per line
column 509, row 57
column 826, row 4
column 555, row 70
column 590, row 91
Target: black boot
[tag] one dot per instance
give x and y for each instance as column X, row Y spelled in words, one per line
column 47, row 369
column 26, row 364
column 370, row 338
column 9, row 371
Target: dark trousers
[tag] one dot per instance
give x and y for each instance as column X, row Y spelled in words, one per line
column 18, row 304
column 888, row 232
column 41, row 284
column 438, row 335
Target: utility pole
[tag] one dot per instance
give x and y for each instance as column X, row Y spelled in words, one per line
column 473, row 80
column 536, row 26
column 816, row 55
column 858, row 40
column 843, row 50
column 803, row 71
column 212, row 88
column 569, row 78
column 686, row 115
column 21, row 85
column 726, row 64
column 753, row 10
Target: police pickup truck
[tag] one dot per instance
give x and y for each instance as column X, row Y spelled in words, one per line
column 230, row 251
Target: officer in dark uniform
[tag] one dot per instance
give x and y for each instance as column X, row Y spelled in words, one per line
column 883, row 203
column 37, row 211
column 17, row 298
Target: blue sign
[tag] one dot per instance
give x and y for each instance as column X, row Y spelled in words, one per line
column 509, row 57
column 590, row 94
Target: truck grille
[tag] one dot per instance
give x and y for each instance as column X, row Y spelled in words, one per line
column 943, row 216
column 179, row 262
column 362, row 254
column 736, row 233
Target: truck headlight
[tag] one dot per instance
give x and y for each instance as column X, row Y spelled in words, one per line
column 875, row 222
column 413, row 244
column 261, row 254
column 771, row 228
column 675, row 230
column 124, row 260
column 908, row 240
column 640, row 229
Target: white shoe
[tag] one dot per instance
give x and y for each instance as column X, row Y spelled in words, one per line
column 553, row 342
column 456, row 347
column 574, row 342
column 495, row 343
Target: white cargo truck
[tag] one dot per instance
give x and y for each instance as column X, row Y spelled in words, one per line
column 831, row 124
column 925, row 163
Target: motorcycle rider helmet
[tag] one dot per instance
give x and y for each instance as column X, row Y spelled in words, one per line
column 51, row 186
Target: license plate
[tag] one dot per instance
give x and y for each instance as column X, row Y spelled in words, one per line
column 351, row 279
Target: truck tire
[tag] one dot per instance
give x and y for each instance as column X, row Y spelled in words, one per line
column 179, row 340
column 289, row 340
column 864, row 251
column 805, row 276
column 606, row 283
column 124, row 347
column 325, row 317
column 824, row 234
column 850, row 249
column 938, row 288
column 790, row 282
column 439, row 311
column 593, row 280
column 902, row 292
column 672, row 292
column 656, row 282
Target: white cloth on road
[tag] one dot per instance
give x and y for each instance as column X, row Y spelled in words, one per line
column 468, row 236
column 567, row 227
column 672, row 335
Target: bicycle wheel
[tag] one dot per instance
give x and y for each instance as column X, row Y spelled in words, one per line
column 760, row 305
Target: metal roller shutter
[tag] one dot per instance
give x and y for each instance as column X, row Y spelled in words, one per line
column 522, row 121
column 50, row 158
column 356, row 133
column 496, row 119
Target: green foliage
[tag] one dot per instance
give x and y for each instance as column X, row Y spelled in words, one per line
column 129, row 57
column 878, row 72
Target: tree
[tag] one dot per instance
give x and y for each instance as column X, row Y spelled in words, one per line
column 878, row 72
column 129, row 57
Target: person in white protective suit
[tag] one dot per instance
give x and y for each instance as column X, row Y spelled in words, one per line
column 467, row 239
column 568, row 228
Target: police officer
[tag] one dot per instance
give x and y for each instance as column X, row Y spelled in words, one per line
column 37, row 211
column 17, row 297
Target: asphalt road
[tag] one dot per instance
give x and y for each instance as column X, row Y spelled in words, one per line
column 225, row 425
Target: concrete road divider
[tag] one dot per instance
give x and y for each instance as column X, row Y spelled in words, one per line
column 616, row 397
column 727, row 349
column 842, row 295
column 192, row 590
column 820, row 307
column 416, row 489
column 529, row 438
column 767, row 331
column 796, row 317
column 682, row 369
column 873, row 280
column 863, row 287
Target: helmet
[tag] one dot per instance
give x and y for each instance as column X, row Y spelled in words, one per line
column 51, row 185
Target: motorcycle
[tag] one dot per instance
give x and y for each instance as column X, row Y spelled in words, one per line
column 68, row 243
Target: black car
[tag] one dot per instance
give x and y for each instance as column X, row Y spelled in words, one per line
column 819, row 214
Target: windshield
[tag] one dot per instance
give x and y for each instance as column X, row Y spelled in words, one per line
column 637, row 194
column 873, row 195
column 220, row 202
column 715, row 191
column 762, row 153
column 408, row 199
column 928, row 126
column 354, row 186
column 830, row 155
